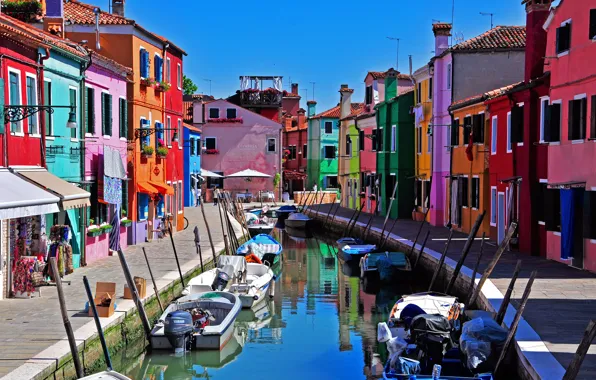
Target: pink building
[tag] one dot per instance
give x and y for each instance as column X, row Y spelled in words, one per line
column 106, row 134
column 236, row 139
column 569, row 130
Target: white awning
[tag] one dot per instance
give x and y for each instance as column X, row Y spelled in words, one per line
column 20, row 198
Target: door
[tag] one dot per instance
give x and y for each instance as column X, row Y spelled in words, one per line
column 500, row 217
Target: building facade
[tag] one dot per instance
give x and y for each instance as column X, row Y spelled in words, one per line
column 423, row 93
column 295, row 151
column 348, row 165
column 192, row 164
column 322, row 150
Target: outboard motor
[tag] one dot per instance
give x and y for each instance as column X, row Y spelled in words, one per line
column 221, row 281
column 178, row 328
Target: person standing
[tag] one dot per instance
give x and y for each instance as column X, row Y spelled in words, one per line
column 198, row 196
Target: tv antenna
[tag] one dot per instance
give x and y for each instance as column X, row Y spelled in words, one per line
column 458, row 37
column 491, row 17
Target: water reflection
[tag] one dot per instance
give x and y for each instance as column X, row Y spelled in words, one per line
column 321, row 324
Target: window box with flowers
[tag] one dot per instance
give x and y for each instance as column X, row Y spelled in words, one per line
column 163, row 86
column 147, row 82
column 24, row 10
column 147, row 151
column 225, row 120
column 162, row 152
column 105, row 228
column 93, row 230
column 125, row 222
column 211, row 151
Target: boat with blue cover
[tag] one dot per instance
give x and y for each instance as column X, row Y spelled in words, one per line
column 386, row 266
column 265, row 247
column 284, row 211
column 349, row 241
column 355, row 252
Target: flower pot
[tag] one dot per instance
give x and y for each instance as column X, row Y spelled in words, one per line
column 106, row 230
column 147, row 155
column 126, row 223
column 95, row 233
column 163, row 156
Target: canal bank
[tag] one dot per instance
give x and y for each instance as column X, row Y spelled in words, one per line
column 33, row 342
column 560, row 306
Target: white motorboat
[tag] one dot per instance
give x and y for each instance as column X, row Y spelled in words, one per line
column 251, row 282
column 297, row 220
column 203, row 321
column 106, row 375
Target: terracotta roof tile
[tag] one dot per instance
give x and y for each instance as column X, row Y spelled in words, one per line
column 109, row 63
column 482, row 97
column 499, row 37
column 377, row 74
column 334, row 112
column 192, row 127
column 442, row 25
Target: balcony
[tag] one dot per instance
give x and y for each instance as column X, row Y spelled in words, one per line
column 254, row 98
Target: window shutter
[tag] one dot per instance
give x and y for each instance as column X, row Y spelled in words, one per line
column 593, row 117
column 558, row 43
column 109, row 112
column 583, row 114
column 476, row 128
column 555, row 120
column 592, row 23
column 570, row 121
column 103, row 114
column 455, row 132
column 143, row 64
column 2, row 125
column 86, row 122
column 481, row 126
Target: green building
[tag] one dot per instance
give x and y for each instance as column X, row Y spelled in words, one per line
column 395, row 147
column 323, row 139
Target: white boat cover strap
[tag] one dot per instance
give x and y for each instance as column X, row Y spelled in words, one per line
column 237, row 262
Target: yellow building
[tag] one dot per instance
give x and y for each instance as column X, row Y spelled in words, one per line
column 423, row 140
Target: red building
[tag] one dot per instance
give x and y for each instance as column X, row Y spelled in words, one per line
column 295, row 140
column 174, row 114
column 518, row 155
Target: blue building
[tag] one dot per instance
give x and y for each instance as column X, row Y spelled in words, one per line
column 192, row 163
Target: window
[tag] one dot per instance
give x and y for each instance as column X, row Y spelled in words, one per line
column 380, row 139
column 592, row 24
column 180, row 134
column 329, row 151
column 292, row 150
column 428, row 143
column 144, row 57
column 145, row 140
column 332, row 182
column 32, row 100
column 509, row 132
column 125, row 199
column 468, row 128
column 552, row 210
column 361, row 140
column 418, row 140
column 210, row 143
column 328, row 127
column 517, row 124
column 593, row 117
column 198, row 147
column 179, row 76
column 476, row 193
column 304, row 150
column 213, row 113
column 394, row 138
column 158, row 68
column 231, row 113
column 174, row 199
column 123, row 117
column 464, row 191
column 544, row 116
column 430, row 88
column 14, row 98
column 159, row 208
column 493, row 135
column 158, row 135
column 577, row 119
column 368, row 99
column 455, row 132
column 90, row 111
column 143, row 204
column 106, row 114
column 271, row 145
column 493, row 206
column 478, row 128
column 418, row 191
column 564, row 37
column 192, row 147
column 449, row 75
column 180, row 204
column 47, row 94
column 168, row 71
column 73, row 103
column 419, row 94
column 348, row 146
column 168, row 131
column 374, row 140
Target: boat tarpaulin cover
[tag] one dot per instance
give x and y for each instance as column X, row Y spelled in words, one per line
column 238, row 263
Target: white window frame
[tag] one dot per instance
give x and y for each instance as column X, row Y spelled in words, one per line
column 509, row 145
column 494, row 132
column 493, row 202
column 36, row 95
column 169, row 131
column 75, row 139
column 180, row 131
column 543, row 99
column 21, row 131
column 394, row 138
column 179, row 76
column 472, row 192
column 168, row 73
column 275, row 141
column 180, row 198
column 218, row 113
column 564, row 53
column 210, row 137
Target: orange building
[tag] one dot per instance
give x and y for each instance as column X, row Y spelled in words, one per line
column 131, row 45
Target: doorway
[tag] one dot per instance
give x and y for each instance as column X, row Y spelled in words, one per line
column 500, row 217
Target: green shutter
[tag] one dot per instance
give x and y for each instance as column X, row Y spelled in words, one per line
column 109, row 114
column 103, row 114
column 125, row 118
column 2, row 125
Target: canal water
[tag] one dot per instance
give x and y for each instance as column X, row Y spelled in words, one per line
column 321, row 324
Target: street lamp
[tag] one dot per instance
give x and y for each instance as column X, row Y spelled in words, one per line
column 14, row 113
column 72, row 120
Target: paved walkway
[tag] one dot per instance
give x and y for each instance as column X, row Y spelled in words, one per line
column 28, row 327
column 562, row 302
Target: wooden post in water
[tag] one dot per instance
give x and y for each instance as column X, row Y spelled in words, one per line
column 441, row 261
column 176, row 254
column 335, row 214
column 581, row 352
column 135, row 294
column 153, row 280
column 198, row 246
column 220, row 205
column 208, row 232
column 473, row 282
column 465, row 251
column 65, row 320
column 494, row 261
column 329, row 212
column 302, row 206
column 418, row 233
column 102, row 339
column 390, row 205
column 308, row 210
column 319, row 205
column 518, row 315
column 503, row 309
column 421, row 250
column 356, row 219
column 368, row 226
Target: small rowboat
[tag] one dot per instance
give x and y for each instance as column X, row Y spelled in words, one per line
column 284, row 211
column 355, row 252
column 106, row 375
column 297, row 220
column 349, row 241
column 387, row 267
column 265, row 247
column 260, row 228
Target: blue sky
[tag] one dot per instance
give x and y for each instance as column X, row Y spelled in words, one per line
column 329, row 42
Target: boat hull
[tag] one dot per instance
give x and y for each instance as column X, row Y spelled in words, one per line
column 297, row 224
column 257, row 230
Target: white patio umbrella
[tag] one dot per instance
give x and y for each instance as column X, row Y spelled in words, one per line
column 207, row 173
column 248, row 173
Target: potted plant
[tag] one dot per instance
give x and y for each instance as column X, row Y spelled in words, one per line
column 362, row 195
column 211, row 151
column 147, row 151
column 162, row 151
column 93, row 230
column 163, row 86
column 105, row 228
column 24, row 10
column 147, row 82
column 125, row 222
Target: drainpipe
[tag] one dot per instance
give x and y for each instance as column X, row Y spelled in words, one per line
column 41, row 96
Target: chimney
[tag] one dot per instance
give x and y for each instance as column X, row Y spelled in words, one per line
column 442, row 31
column 312, row 106
column 294, row 88
column 537, row 12
column 118, row 7
column 53, row 21
column 391, row 84
column 345, row 103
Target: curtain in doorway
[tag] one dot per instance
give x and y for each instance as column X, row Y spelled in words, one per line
column 570, row 199
column 115, row 232
column 74, row 218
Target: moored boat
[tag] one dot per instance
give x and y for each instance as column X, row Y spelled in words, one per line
column 355, row 252
column 297, row 220
column 260, row 228
column 283, row 212
column 386, row 266
column 106, row 375
column 265, row 247
column 349, row 241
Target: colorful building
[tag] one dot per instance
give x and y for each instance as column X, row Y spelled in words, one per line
column 128, row 43
column 571, row 199
column 395, row 147
column 323, row 140
column 348, row 164
column 423, row 141
column 192, row 163
column 294, row 142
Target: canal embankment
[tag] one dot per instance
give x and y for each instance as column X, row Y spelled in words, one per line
column 33, row 342
column 560, row 306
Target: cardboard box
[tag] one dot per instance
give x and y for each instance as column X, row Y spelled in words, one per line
column 141, row 285
column 101, row 290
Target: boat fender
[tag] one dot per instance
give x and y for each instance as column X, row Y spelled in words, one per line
column 252, row 258
column 255, row 297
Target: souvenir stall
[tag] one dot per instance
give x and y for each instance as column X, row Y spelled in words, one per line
column 28, row 248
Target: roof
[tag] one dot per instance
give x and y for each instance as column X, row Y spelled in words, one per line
column 383, row 74
column 499, row 37
column 334, row 113
column 109, row 63
column 287, row 94
column 442, row 26
column 83, row 14
column 187, row 110
column 192, row 127
column 482, row 97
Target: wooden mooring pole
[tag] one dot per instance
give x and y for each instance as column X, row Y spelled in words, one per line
column 421, row 250
column 418, row 233
column 198, row 246
column 465, row 251
column 503, row 309
column 208, row 232
column 582, row 351
column 441, row 261
column 135, row 294
column 220, row 205
column 102, row 339
column 176, row 254
column 381, row 241
column 473, row 282
column 153, row 280
column 65, row 320
column 351, row 228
